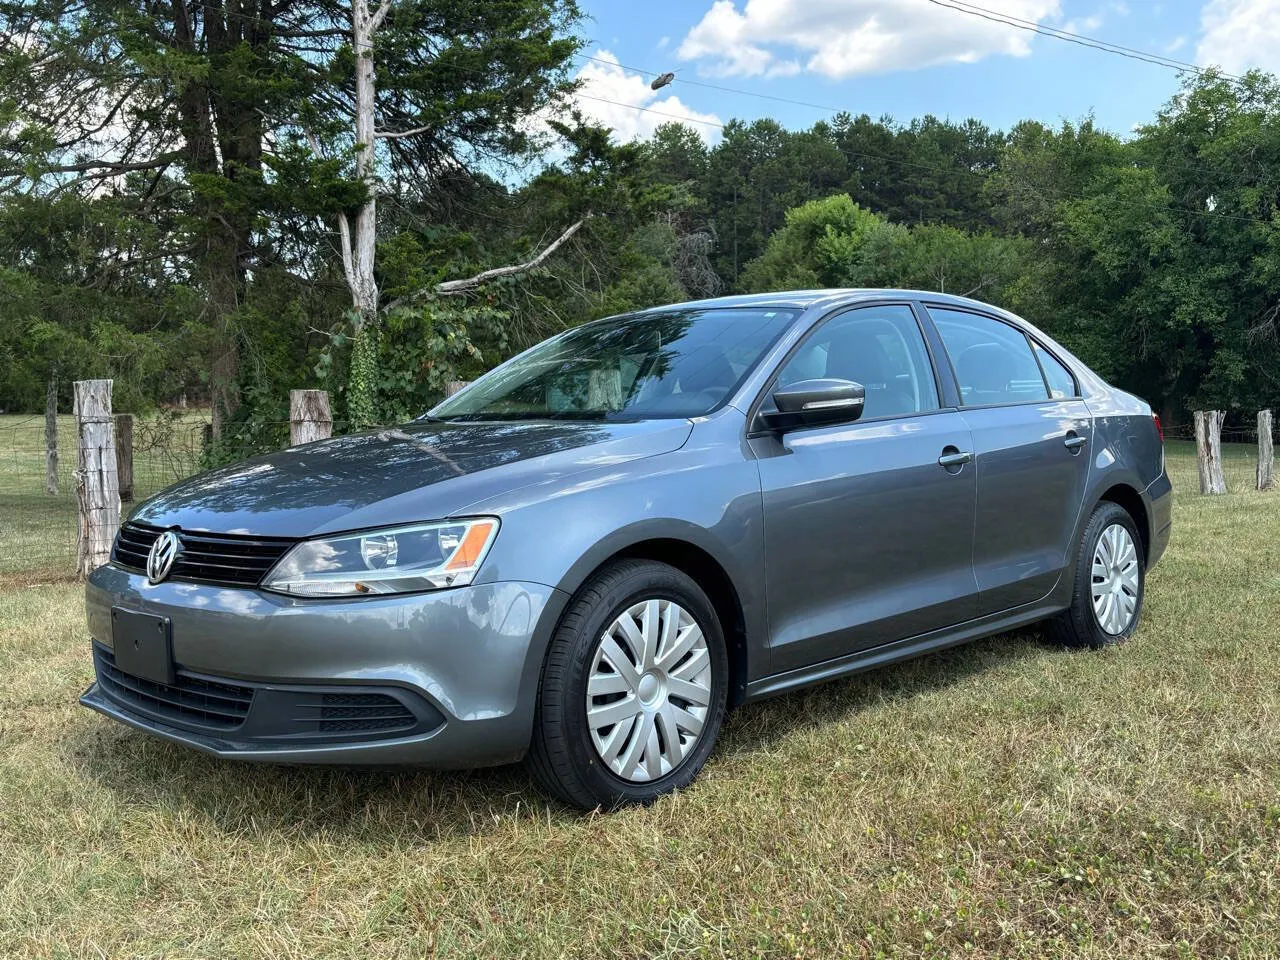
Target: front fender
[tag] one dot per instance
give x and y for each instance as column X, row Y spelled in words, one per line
column 706, row 494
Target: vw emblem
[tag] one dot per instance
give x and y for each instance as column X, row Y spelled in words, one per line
column 163, row 552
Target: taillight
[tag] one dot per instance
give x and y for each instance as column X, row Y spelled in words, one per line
column 1159, row 426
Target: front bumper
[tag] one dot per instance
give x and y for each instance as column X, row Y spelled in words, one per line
column 463, row 663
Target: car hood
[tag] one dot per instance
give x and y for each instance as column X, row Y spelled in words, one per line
column 422, row 471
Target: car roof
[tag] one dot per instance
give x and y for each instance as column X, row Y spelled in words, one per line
column 804, row 299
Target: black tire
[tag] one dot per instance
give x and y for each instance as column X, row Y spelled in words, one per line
column 1078, row 626
column 562, row 755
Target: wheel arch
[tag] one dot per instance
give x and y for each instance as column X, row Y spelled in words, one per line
column 1127, row 497
column 677, row 549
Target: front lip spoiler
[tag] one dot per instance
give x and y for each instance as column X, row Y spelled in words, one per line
column 334, row 752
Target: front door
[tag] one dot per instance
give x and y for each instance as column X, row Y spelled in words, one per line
column 868, row 538
column 1031, row 436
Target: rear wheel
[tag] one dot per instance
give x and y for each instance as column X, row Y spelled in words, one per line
column 633, row 691
column 1106, row 604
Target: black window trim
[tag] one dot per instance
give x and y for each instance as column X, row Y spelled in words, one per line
column 754, row 429
column 1075, row 381
column 1032, row 343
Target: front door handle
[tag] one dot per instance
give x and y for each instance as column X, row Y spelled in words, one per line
column 955, row 459
column 1074, row 442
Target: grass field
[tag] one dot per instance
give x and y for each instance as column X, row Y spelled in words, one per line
column 1004, row 799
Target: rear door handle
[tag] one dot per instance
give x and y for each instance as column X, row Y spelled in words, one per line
column 955, row 459
column 1074, row 443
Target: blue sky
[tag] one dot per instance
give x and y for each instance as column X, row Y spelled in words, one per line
column 907, row 58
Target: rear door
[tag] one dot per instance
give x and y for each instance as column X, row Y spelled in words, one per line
column 1031, row 434
column 868, row 538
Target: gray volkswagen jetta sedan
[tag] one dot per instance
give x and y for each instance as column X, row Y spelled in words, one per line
column 592, row 552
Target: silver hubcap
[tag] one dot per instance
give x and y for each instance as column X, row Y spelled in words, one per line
column 648, row 690
column 1115, row 580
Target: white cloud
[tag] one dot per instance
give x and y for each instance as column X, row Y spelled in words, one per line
column 1176, row 44
column 1239, row 34
column 1084, row 25
column 842, row 38
column 609, row 95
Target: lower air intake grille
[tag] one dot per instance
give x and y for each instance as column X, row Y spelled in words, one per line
column 358, row 712
column 191, row 699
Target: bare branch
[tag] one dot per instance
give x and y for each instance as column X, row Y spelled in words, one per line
column 397, row 134
column 348, row 260
column 454, row 288
column 105, row 168
column 379, row 15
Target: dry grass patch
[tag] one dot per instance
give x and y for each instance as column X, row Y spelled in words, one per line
column 1003, row 799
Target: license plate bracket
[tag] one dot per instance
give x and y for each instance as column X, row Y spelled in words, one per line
column 143, row 645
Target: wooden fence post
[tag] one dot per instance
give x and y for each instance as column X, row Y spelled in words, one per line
column 97, row 490
column 453, row 386
column 124, row 455
column 309, row 416
column 51, row 436
column 1209, row 451
column 1266, row 452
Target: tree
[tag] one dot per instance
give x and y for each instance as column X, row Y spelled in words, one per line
column 224, row 98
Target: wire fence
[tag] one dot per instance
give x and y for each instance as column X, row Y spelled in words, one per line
column 38, row 529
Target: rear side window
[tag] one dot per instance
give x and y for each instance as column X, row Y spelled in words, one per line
column 992, row 360
column 1061, row 383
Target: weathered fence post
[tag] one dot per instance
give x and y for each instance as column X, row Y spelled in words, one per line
column 453, row 386
column 124, row 455
column 1209, row 450
column 309, row 416
column 1266, row 452
column 51, row 435
column 97, row 489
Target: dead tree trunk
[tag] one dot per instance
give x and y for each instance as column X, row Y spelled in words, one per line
column 97, row 489
column 1209, row 451
column 309, row 416
column 1266, row 452
column 51, row 435
column 453, row 386
column 124, row 455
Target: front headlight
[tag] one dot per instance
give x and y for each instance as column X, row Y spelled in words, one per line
column 424, row 556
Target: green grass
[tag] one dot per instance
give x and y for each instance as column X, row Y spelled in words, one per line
column 1003, row 799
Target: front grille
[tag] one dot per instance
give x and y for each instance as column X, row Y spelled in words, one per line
column 359, row 712
column 222, row 558
column 191, row 699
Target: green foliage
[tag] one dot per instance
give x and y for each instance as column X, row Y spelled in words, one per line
column 818, row 246
column 362, row 386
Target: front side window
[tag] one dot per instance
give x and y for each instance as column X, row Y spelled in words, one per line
column 1061, row 383
column 656, row 365
column 992, row 360
column 878, row 347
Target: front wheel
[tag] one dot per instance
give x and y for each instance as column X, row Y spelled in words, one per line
column 1110, row 581
column 633, row 690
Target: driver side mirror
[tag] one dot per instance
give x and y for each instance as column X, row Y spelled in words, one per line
column 814, row 402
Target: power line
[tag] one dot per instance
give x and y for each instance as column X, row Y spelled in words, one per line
column 957, row 169
column 960, row 6
column 711, row 86
column 659, row 113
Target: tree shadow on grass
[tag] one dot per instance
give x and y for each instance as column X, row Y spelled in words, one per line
column 410, row 805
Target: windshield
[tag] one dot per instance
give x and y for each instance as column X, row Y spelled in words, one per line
column 670, row 364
